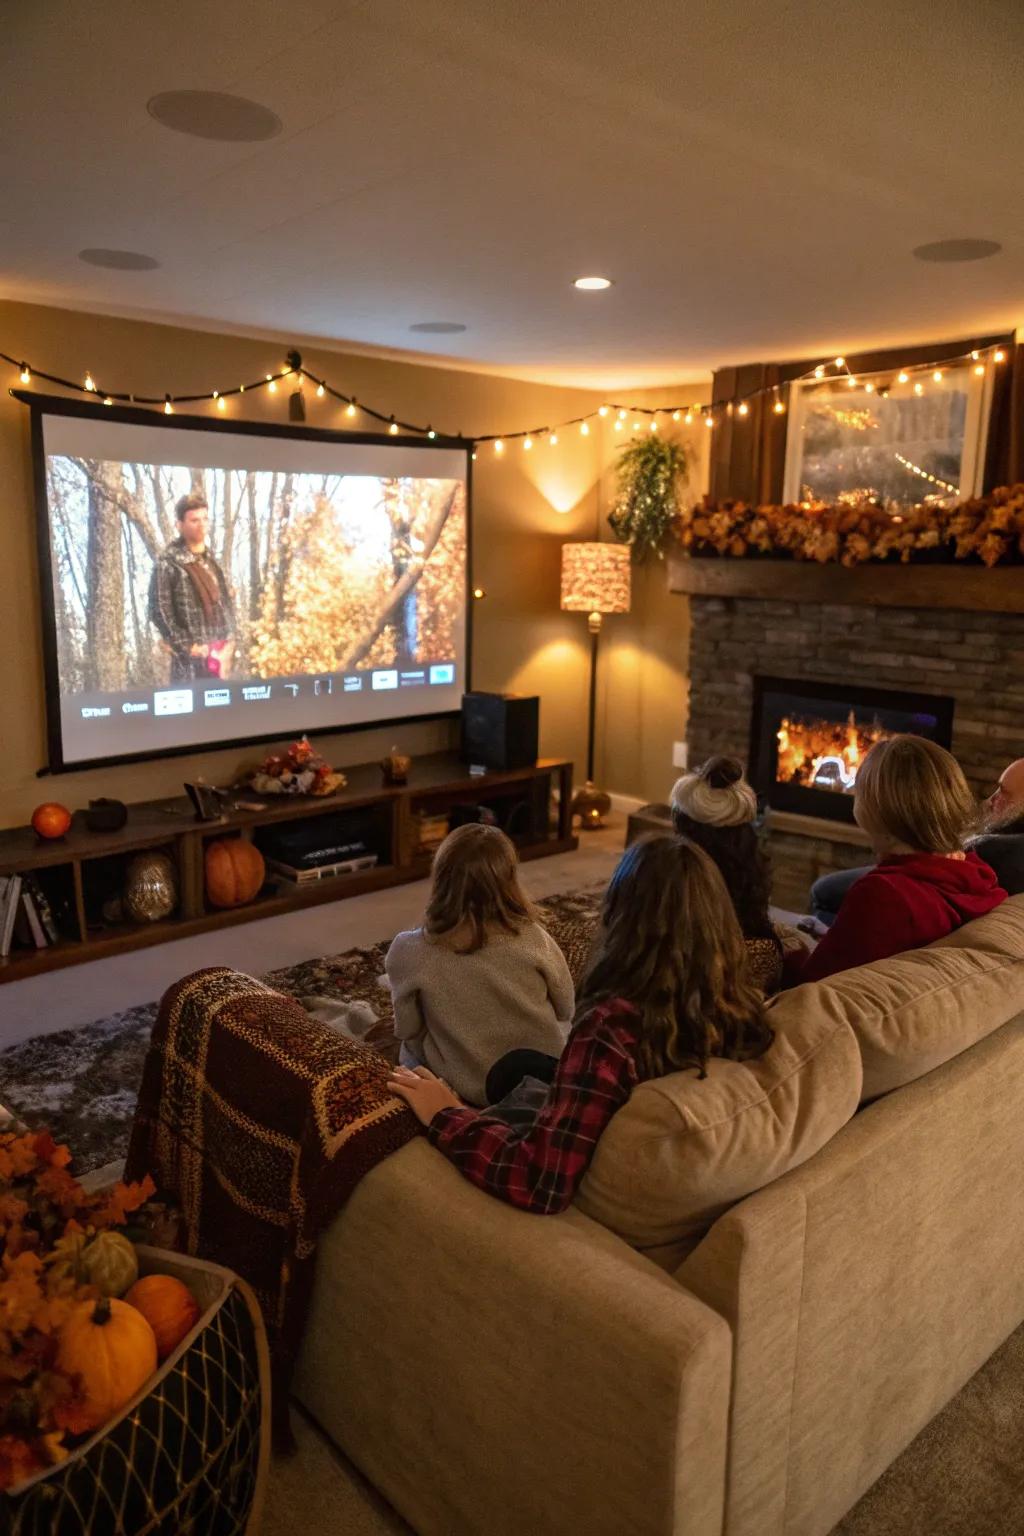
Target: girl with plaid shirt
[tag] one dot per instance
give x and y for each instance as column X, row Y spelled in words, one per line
column 667, row 989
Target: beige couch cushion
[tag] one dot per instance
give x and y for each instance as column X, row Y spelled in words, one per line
column 915, row 1011
column 683, row 1149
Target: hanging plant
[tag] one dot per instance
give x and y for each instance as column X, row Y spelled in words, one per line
column 647, row 499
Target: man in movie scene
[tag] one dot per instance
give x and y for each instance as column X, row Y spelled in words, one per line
column 190, row 602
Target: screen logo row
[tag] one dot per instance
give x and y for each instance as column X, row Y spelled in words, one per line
column 181, row 701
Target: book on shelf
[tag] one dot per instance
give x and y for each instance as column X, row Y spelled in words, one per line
column 28, row 930
column 43, row 908
column 9, row 912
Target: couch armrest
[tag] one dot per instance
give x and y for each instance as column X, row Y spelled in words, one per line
column 494, row 1371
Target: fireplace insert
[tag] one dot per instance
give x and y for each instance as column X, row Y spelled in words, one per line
column 807, row 740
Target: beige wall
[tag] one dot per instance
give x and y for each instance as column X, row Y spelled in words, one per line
column 643, row 682
column 525, row 506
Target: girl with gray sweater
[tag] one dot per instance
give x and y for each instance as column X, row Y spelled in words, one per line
column 481, row 976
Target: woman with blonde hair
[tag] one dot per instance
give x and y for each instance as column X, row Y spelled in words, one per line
column 716, row 808
column 668, row 988
column 480, row 976
column 913, row 801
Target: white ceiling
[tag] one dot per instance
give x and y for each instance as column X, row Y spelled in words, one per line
column 754, row 175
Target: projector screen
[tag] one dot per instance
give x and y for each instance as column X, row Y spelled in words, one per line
column 209, row 583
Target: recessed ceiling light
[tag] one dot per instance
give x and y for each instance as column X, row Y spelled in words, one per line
column 438, row 327
column 120, row 261
column 214, row 115
column 957, row 250
column 592, row 284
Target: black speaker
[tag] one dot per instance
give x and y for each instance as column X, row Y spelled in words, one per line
column 500, row 730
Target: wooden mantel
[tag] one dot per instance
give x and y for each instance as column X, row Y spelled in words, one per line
column 964, row 587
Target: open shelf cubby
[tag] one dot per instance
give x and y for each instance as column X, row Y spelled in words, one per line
column 400, row 823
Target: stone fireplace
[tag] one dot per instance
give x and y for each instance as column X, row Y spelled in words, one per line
column 956, row 673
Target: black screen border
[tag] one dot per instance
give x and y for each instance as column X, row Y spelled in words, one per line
column 41, row 405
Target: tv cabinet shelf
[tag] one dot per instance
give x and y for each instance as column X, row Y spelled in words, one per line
column 437, row 785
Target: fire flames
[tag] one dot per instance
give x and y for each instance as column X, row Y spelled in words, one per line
column 824, row 754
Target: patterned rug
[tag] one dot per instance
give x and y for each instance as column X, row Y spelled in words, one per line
column 83, row 1082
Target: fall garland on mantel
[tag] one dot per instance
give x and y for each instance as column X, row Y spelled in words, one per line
column 986, row 529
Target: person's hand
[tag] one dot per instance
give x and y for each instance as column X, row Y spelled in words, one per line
column 424, row 1093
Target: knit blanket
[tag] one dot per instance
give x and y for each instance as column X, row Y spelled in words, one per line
column 258, row 1121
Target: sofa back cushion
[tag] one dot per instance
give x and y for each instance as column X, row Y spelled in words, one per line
column 683, row 1148
column 914, row 1011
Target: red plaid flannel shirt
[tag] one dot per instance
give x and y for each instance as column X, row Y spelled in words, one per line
column 539, row 1167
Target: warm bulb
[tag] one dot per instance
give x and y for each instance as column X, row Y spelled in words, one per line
column 319, row 391
column 999, row 356
column 937, row 375
column 350, row 409
column 654, row 425
column 431, row 433
column 108, row 401
column 618, row 426
column 584, row 429
column 979, row 369
column 743, row 408
column 840, row 362
column 25, row 376
column 974, row 356
column 918, row 389
column 168, row 407
column 527, row 443
column 271, row 384
column 869, row 389
column 622, row 415
column 220, row 402
column 819, row 372
column 499, row 446
column 688, row 419
column 393, row 428
column 553, row 440
column 778, row 407
column 851, row 382
column 602, row 410
column 89, row 383
column 478, row 591
column 676, row 415
column 636, row 426
column 709, row 421
column 901, row 378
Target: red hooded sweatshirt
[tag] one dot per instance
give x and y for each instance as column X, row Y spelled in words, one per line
column 905, row 901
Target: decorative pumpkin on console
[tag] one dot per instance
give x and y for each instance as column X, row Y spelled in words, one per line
column 111, row 1349
column 50, row 819
column 234, row 872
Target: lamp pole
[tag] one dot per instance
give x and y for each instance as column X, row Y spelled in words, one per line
column 594, row 622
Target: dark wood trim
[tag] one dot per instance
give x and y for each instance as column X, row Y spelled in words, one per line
column 968, row 588
column 439, row 779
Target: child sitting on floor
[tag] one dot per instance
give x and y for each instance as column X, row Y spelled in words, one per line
column 481, row 977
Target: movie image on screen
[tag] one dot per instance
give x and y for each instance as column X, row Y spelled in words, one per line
column 210, row 586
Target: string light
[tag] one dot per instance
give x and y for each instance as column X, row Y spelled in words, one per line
column 499, row 446
column 654, row 423
column 431, row 433
column 108, row 401
column 89, row 385
column 979, row 369
column 851, row 382
column 623, row 413
column 998, row 356
column 869, row 388
column 918, row 389
column 924, row 474
column 603, row 410
column 902, row 378
column 636, row 426
column 743, row 408
column 819, row 372
column 393, row 427
column 778, row 407
column 168, row 407
column 25, row 376
column 840, row 362
column 350, row 409
column 618, row 425
column 675, row 416
column 709, row 420
column 319, row 391
column 220, row 403
column 974, row 356
column 687, row 419
column 584, row 429
column 271, row 384
column 553, row 440
column 527, row 443
column 937, row 375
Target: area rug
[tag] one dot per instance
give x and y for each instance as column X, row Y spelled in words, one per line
column 83, row 1082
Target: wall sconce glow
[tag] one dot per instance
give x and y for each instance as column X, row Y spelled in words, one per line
column 479, row 592
column 592, row 284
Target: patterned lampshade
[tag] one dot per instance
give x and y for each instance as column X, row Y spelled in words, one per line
column 595, row 578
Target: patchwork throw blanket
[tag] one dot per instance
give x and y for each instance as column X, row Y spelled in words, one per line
column 259, row 1121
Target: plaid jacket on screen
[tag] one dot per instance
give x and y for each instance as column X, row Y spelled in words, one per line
column 174, row 606
column 538, row 1168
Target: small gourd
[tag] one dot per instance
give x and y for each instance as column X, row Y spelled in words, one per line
column 110, row 1264
column 169, row 1308
column 110, row 1348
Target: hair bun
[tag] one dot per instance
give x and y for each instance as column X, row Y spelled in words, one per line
column 720, row 772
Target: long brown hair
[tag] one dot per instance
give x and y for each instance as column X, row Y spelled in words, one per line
column 475, row 886
column 671, row 945
column 912, row 792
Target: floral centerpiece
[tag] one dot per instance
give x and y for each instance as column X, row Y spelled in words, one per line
column 987, row 529
column 63, row 1263
column 298, row 771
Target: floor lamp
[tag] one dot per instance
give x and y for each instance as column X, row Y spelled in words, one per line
column 595, row 581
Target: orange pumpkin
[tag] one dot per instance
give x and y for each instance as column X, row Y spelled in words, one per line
column 234, row 872
column 51, row 819
column 169, row 1308
column 111, row 1349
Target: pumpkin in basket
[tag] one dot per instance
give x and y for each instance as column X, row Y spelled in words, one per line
column 169, row 1308
column 111, row 1349
column 234, row 871
column 107, row 1261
